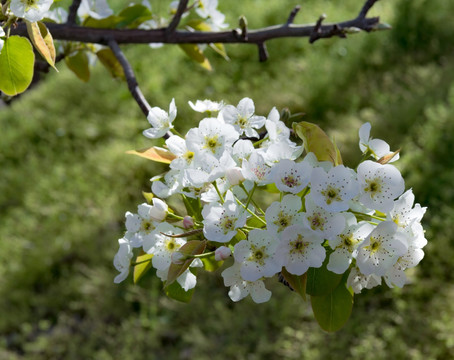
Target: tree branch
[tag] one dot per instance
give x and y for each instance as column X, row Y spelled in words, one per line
column 72, row 12
column 131, row 80
column 291, row 17
column 182, row 6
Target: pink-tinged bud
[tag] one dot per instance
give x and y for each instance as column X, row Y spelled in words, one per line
column 177, row 258
column 222, row 253
column 234, row 175
column 158, row 211
column 188, row 222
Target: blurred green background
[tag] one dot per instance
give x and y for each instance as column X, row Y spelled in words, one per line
column 66, row 183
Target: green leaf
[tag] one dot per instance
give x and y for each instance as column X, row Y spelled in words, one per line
column 191, row 248
column 254, row 222
column 42, row 40
column 111, row 63
column 315, row 140
column 109, row 22
column 210, row 264
column 154, row 153
column 148, row 196
column 220, row 49
column 321, row 281
column 78, row 64
column 133, row 16
column 193, row 207
column 333, row 310
column 297, row 282
column 195, row 53
column 141, row 269
column 176, row 292
column 199, row 25
column 16, row 65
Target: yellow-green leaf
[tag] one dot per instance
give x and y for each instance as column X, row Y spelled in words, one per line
column 315, row 140
column 220, row 49
column 191, row 248
column 195, row 53
column 109, row 22
column 321, row 281
column 154, row 153
column 16, row 65
column 141, row 269
column 78, row 64
column 297, row 283
column 148, row 196
column 176, row 292
column 42, row 40
column 111, row 63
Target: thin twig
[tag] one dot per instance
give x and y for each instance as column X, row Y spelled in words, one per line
column 263, row 52
column 130, row 77
column 366, row 7
column 182, row 6
column 291, row 17
column 72, row 12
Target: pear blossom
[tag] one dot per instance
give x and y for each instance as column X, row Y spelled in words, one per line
column 222, row 221
column 31, row 10
column 396, row 275
column 379, row 185
column 276, row 129
column 160, row 121
column 122, row 260
column 257, row 255
column 240, row 288
column 375, row 147
column 141, row 225
column 333, row 190
column 300, row 249
column 242, row 150
column 187, row 279
column 207, row 106
column 403, row 212
column 185, row 157
column 173, row 182
column 358, row 281
column 281, row 214
column 256, row 169
column 381, row 249
column 2, row 33
column 242, row 118
column 97, row 9
column 222, row 253
column 59, row 15
column 290, row 176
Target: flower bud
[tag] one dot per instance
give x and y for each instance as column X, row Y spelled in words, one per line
column 188, row 222
column 222, row 253
column 158, row 211
column 234, row 175
column 177, row 258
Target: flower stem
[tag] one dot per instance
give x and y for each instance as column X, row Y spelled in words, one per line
column 219, row 193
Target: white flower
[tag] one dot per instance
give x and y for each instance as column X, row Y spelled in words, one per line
column 280, row 215
column 234, row 176
column 256, row 169
column 160, row 121
column 242, row 118
column 242, row 150
column 122, row 260
column 222, row 253
column 376, row 147
column 208, row 106
column 300, row 249
column 97, row 9
column 173, row 182
column 333, row 190
column 403, row 213
column 185, row 157
column 257, row 255
column 59, row 15
column 324, row 223
column 290, row 176
column 158, row 211
column 381, row 249
column 358, row 281
column 345, row 244
column 140, row 226
column 187, row 280
column 240, row 288
column 276, row 129
column 222, row 221
column 379, row 185
column 31, row 10
column 2, row 33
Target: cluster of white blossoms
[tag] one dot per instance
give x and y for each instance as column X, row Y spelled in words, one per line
column 358, row 222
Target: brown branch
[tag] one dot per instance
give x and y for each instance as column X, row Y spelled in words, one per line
column 133, row 86
column 365, row 9
column 182, row 6
column 263, row 52
column 72, row 12
column 291, row 17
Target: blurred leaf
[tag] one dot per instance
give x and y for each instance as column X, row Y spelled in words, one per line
column 296, row 282
column 333, row 310
column 193, row 247
column 321, row 281
column 148, row 196
column 109, row 60
column 132, row 16
column 194, row 52
column 42, row 40
column 141, row 269
column 154, row 153
column 210, row 264
column 220, row 49
column 254, row 222
column 16, row 65
column 78, row 64
column 199, row 25
column 193, row 207
column 315, row 140
column 106, row 23
column 176, row 292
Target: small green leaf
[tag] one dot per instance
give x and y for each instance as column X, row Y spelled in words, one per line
column 106, row 23
column 199, row 25
column 195, row 53
column 176, row 292
column 333, row 310
column 191, row 248
column 154, row 153
column 16, row 65
column 315, row 140
column 141, row 269
column 133, row 15
column 297, row 283
column 210, row 264
column 254, row 222
column 42, row 40
column 78, row 64
column 220, row 49
column 148, row 196
column 193, row 207
column 111, row 63
column 321, row 281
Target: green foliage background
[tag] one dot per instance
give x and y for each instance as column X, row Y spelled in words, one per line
column 66, row 183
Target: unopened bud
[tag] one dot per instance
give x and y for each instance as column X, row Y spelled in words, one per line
column 177, row 258
column 234, row 175
column 222, row 253
column 188, row 222
column 158, row 211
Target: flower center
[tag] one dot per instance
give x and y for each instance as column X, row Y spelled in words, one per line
column 373, row 187
column 316, row 221
column 258, row 254
column 331, row 194
column 290, row 181
column 147, row 226
column 298, row 246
